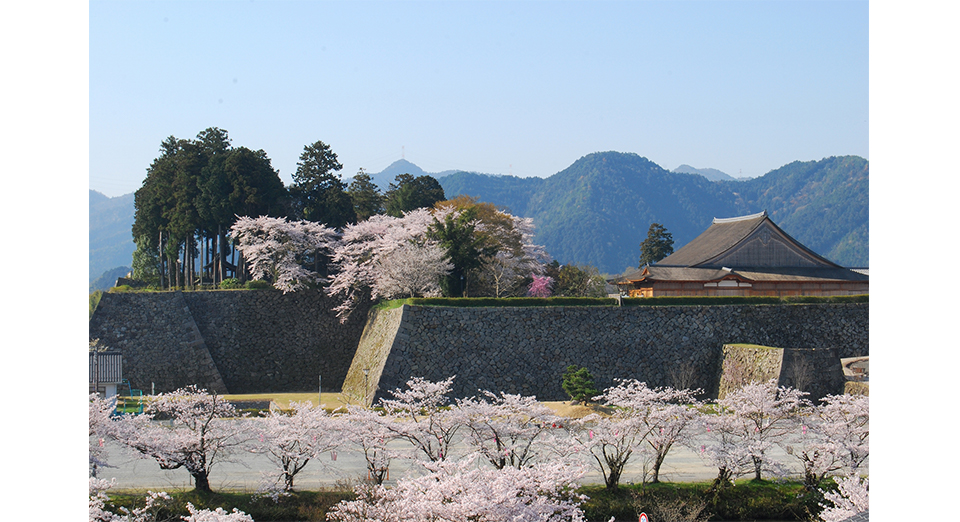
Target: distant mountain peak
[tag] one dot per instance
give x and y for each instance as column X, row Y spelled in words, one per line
column 711, row 174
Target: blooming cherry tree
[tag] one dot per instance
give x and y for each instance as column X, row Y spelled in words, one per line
column 508, row 430
column 455, row 491
column 669, row 415
column 754, row 418
column 412, row 270
column 610, row 441
column 276, row 249
column 365, row 244
column 833, row 436
column 100, row 428
column 852, row 497
column 416, row 415
column 192, row 435
column 845, row 420
column 367, row 429
column 540, row 287
column 291, row 440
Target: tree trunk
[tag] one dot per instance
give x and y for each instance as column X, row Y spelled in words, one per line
column 201, row 481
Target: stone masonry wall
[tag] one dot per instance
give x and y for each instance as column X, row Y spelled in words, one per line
column 235, row 341
column 525, row 350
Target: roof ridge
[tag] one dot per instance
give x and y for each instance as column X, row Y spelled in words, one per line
column 740, row 218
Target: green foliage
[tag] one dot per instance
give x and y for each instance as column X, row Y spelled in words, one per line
column 572, row 280
column 94, row 301
column 410, row 193
column 748, row 500
column 366, row 197
column 317, row 193
column 481, row 302
column 464, row 247
column 122, row 289
column 594, row 211
column 300, row 505
column 257, row 284
column 231, row 283
column 578, row 383
column 658, row 245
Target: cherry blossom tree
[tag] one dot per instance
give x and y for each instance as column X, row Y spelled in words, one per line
column 852, row 497
column 362, row 246
column 514, row 260
column 153, row 504
column 455, row 491
column 277, row 249
column 845, row 419
column 367, row 429
column 100, row 427
column 417, row 416
column 540, row 287
column 668, row 415
column 610, row 441
column 412, row 270
column 291, row 440
column 754, row 418
column 183, row 429
column 833, row 436
column 508, row 430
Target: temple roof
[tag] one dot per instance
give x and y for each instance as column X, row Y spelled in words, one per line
column 752, row 240
column 749, row 248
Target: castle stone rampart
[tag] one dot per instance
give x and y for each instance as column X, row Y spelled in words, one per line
column 524, row 350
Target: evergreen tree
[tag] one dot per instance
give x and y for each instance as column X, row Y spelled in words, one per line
column 410, row 193
column 578, row 383
column 317, row 193
column 658, row 245
column 456, row 233
column 365, row 195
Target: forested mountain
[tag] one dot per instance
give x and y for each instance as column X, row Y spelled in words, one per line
column 111, row 243
column 711, row 174
column 823, row 204
column 385, row 177
column 598, row 210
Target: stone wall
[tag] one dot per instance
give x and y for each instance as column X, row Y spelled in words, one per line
column 816, row 371
column 229, row 341
column 266, row 341
column 525, row 350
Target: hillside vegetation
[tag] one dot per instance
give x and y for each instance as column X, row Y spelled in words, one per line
column 598, row 210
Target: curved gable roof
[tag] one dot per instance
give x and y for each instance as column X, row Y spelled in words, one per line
column 747, row 241
column 721, row 236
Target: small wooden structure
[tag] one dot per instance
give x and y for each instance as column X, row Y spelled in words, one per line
column 106, row 372
column 744, row 256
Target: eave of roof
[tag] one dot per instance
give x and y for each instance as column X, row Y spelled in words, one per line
column 689, row 274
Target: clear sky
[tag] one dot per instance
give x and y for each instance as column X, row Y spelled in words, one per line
column 522, row 88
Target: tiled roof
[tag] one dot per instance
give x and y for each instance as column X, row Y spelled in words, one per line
column 721, row 236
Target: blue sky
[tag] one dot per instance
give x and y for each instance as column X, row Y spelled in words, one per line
column 522, row 88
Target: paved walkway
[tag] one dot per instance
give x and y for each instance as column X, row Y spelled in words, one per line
column 245, row 471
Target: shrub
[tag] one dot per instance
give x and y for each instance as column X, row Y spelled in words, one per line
column 257, row 284
column 578, row 383
column 231, row 283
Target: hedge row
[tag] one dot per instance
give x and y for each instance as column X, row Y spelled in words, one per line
column 473, row 302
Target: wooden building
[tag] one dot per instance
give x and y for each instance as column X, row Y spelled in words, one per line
column 744, row 256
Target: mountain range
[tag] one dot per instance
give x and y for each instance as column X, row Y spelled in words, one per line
column 597, row 210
